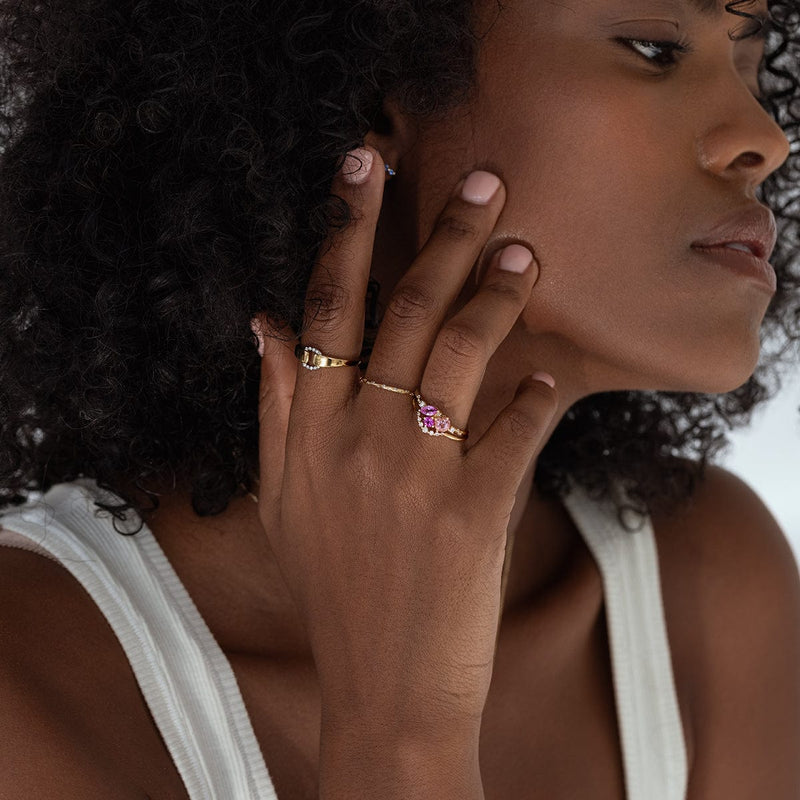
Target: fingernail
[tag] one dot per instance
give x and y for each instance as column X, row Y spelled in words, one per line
column 255, row 326
column 357, row 165
column 515, row 258
column 545, row 377
column 480, row 187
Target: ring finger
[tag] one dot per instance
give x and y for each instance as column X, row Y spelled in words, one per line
column 463, row 347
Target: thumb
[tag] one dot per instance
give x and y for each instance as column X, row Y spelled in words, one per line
column 276, row 391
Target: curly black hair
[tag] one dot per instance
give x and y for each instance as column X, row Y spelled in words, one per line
column 165, row 174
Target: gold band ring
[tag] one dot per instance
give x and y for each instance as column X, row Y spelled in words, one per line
column 363, row 380
column 313, row 358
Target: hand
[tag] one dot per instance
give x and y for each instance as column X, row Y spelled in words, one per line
column 391, row 541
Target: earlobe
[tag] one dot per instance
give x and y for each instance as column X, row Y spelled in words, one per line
column 393, row 133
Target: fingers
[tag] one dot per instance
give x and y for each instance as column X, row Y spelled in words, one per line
column 422, row 297
column 276, row 390
column 334, row 309
column 515, row 437
column 465, row 344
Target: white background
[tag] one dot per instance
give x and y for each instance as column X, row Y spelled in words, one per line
column 767, row 456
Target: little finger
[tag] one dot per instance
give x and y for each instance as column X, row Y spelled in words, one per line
column 276, row 391
column 513, row 440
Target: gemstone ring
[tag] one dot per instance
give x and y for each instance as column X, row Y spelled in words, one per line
column 435, row 422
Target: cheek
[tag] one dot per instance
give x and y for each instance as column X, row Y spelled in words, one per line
column 602, row 181
column 589, row 194
column 605, row 198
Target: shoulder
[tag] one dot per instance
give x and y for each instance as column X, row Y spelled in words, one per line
column 726, row 529
column 731, row 593
column 61, row 673
column 725, row 544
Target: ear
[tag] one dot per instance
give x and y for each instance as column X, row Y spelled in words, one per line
column 393, row 132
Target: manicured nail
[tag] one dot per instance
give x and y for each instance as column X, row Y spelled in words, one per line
column 544, row 377
column 515, row 258
column 480, row 187
column 255, row 325
column 357, row 165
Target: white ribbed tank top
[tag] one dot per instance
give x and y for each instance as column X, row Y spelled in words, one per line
column 191, row 690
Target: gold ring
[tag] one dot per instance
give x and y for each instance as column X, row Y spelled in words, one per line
column 430, row 419
column 313, row 358
column 362, row 379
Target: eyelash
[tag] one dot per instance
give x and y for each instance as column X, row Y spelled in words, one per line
column 681, row 48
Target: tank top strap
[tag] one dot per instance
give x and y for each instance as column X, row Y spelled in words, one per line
column 191, row 690
column 651, row 731
column 184, row 676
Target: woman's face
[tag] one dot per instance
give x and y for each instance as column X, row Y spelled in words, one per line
column 615, row 163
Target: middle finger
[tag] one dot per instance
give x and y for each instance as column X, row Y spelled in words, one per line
column 426, row 291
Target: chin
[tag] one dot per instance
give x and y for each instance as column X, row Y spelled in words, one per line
column 704, row 370
column 723, row 375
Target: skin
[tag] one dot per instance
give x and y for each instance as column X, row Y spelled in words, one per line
column 634, row 164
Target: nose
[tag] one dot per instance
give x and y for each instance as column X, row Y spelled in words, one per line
column 742, row 142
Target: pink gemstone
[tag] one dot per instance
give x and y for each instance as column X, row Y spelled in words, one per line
column 428, row 411
column 442, row 424
column 428, row 422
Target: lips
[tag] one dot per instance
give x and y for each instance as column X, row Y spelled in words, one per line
column 751, row 229
column 754, row 248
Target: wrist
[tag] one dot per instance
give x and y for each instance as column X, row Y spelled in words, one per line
column 358, row 760
column 412, row 712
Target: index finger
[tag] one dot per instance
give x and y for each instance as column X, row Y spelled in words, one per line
column 337, row 287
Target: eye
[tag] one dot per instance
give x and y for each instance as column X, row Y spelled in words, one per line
column 662, row 54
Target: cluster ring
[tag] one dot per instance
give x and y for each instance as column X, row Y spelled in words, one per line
column 435, row 422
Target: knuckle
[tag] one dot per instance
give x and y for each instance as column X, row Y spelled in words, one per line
column 362, row 462
column 366, row 461
column 410, row 304
column 457, row 229
column 520, row 423
column 508, row 293
column 327, row 303
column 462, row 344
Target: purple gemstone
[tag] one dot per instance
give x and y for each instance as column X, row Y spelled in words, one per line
column 428, row 411
column 428, row 422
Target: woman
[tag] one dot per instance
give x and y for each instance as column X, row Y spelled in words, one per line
column 437, row 591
